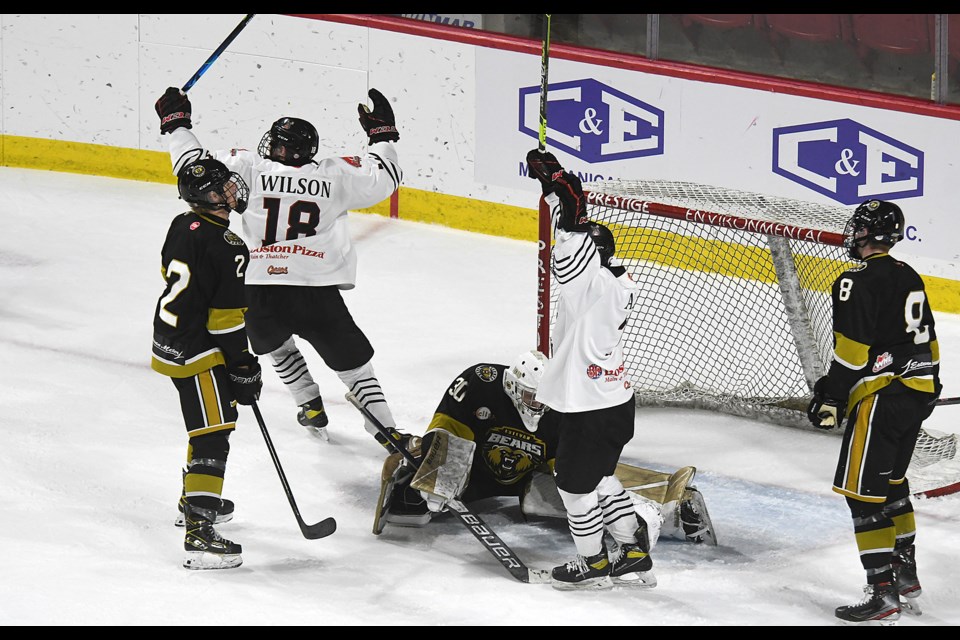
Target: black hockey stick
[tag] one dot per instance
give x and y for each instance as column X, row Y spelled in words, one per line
column 470, row 520
column 544, row 66
column 216, row 54
column 310, row 531
column 943, row 401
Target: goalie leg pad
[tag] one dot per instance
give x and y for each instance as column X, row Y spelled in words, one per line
column 393, row 471
column 540, row 497
column 445, row 468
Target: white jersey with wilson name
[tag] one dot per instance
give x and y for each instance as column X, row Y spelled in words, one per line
column 295, row 225
column 586, row 371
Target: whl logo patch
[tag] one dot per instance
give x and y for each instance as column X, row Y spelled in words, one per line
column 847, row 161
column 593, row 121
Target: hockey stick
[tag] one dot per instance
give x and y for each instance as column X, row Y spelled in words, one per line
column 470, row 520
column 544, row 66
column 943, row 401
column 310, row 531
column 216, row 54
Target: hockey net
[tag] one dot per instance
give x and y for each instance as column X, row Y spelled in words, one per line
column 735, row 312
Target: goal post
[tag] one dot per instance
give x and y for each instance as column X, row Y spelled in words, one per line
column 734, row 311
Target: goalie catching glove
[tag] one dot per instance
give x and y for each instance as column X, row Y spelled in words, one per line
column 825, row 412
column 380, row 123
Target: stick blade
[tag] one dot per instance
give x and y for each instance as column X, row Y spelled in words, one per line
column 320, row 530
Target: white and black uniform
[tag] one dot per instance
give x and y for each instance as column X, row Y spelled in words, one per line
column 302, row 255
column 586, row 382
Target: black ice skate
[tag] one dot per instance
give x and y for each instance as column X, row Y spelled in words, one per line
column 584, row 573
column 881, row 603
column 205, row 548
column 633, row 566
column 313, row 416
column 906, row 581
column 695, row 520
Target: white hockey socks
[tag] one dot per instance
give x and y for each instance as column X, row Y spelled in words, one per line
column 364, row 385
column 585, row 520
column 619, row 514
column 292, row 369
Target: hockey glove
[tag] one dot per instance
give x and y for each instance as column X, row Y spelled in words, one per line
column 573, row 204
column 245, row 381
column 380, row 124
column 824, row 412
column 173, row 107
column 543, row 166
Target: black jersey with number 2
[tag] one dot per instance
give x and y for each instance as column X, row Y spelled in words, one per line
column 199, row 318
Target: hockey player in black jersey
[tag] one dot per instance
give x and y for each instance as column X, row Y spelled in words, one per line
column 884, row 379
column 200, row 342
column 512, row 447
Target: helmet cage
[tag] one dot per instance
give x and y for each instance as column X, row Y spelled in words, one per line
column 520, row 382
column 208, row 184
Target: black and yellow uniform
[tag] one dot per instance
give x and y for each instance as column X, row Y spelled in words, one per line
column 476, row 408
column 198, row 329
column 886, row 366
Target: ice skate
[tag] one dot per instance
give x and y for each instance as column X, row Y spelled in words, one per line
column 880, row 604
column 584, row 573
column 906, row 581
column 204, row 547
column 313, row 416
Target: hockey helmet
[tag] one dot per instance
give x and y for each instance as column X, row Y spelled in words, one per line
column 873, row 221
column 209, row 184
column 291, row 141
column 520, row 382
column 603, row 238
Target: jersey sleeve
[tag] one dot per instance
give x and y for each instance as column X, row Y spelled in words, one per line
column 368, row 179
column 854, row 325
column 575, row 261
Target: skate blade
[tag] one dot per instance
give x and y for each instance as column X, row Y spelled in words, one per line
column 636, row 580
column 593, row 584
column 910, row 606
column 202, row 560
column 319, row 434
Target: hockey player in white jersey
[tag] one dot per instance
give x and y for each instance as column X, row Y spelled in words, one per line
column 585, row 382
column 301, row 253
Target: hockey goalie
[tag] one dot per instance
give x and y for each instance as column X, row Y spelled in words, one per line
column 490, row 438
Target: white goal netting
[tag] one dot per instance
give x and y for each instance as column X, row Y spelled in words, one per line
column 735, row 313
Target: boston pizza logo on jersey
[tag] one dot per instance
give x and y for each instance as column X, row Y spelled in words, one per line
column 511, row 453
column 352, row 160
column 486, row 373
column 594, row 371
column 232, row 238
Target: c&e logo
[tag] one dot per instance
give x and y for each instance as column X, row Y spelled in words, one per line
column 847, row 162
column 594, row 122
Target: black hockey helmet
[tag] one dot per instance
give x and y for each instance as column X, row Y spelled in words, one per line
column 291, row 141
column 603, row 238
column 873, row 221
column 209, row 184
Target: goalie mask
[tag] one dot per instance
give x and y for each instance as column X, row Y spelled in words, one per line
column 291, row 141
column 520, row 382
column 209, row 184
column 603, row 238
column 873, row 221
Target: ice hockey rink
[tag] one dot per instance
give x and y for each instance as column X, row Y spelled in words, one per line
column 92, row 444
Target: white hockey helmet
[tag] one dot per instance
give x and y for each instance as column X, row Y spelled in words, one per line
column 520, row 382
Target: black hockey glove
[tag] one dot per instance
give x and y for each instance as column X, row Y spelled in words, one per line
column 245, row 380
column 823, row 412
column 173, row 107
column 543, row 166
column 380, row 124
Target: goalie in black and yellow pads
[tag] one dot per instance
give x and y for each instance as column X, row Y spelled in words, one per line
column 490, row 438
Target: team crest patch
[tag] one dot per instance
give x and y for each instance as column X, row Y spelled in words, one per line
column 194, row 226
column 594, row 371
column 232, row 238
column 486, row 373
column 483, row 413
column 352, row 160
column 883, row 361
